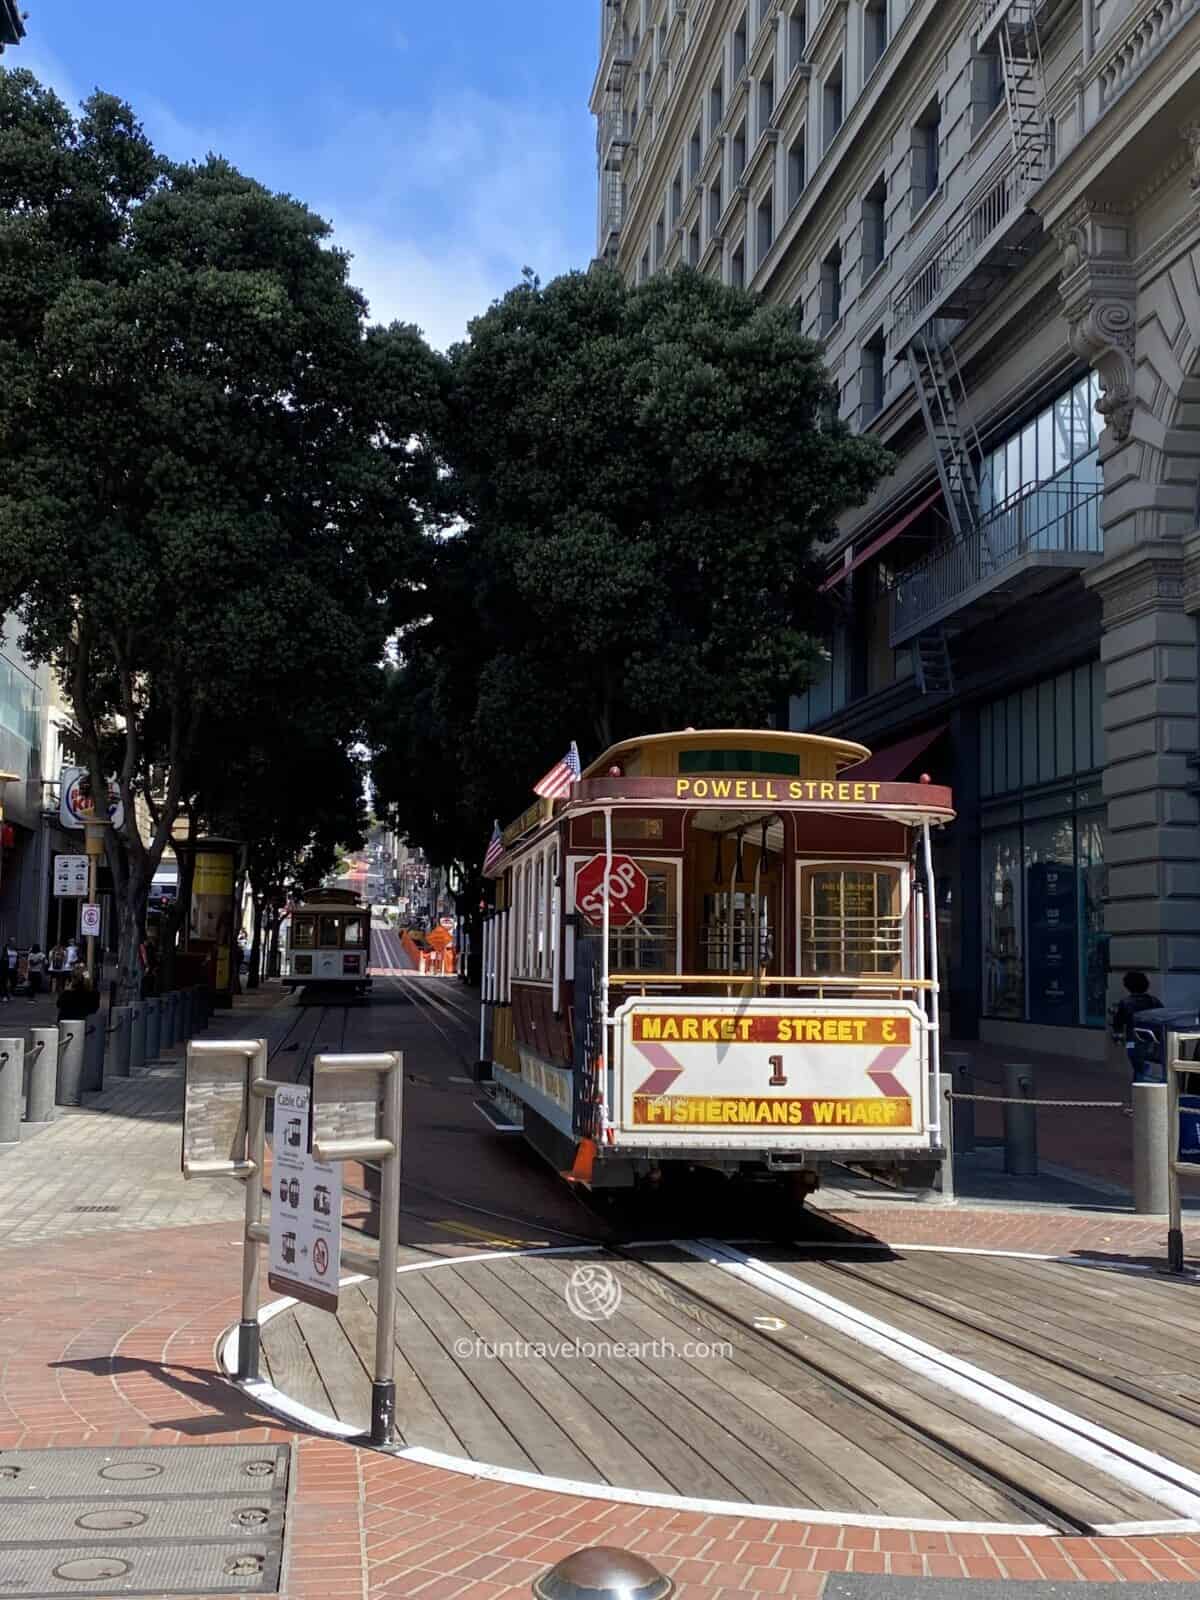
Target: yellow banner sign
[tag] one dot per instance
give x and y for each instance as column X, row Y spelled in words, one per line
column 755, row 1028
column 776, row 790
column 707, row 1111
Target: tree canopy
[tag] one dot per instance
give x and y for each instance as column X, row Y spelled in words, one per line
column 214, row 471
column 639, row 476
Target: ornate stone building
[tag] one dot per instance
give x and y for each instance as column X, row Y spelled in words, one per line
column 988, row 212
column 12, row 26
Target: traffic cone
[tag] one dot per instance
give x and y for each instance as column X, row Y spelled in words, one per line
column 585, row 1158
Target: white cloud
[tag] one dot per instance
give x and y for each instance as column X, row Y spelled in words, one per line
column 407, row 282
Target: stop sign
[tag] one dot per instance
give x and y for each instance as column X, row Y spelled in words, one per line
column 628, row 891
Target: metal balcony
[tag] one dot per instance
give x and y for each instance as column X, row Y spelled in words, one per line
column 989, row 238
column 1017, row 550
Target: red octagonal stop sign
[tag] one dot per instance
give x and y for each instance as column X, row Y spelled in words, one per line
column 628, row 891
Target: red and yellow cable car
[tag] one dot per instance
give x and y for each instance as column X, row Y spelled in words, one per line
column 721, row 949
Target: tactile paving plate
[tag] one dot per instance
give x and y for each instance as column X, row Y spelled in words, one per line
column 31, row 1573
column 172, row 1519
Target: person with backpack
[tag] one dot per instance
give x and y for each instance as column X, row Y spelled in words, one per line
column 1137, row 998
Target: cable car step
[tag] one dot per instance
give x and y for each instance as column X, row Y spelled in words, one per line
column 496, row 1116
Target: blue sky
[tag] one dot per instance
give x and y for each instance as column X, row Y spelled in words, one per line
column 449, row 143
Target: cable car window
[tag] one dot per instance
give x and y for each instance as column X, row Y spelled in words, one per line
column 647, row 943
column 304, row 931
column 331, row 932
column 850, row 923
column 354, row 933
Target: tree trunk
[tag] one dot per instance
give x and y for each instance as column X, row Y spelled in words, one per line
column 132, row 920
column 273, row 948
column 256, row 951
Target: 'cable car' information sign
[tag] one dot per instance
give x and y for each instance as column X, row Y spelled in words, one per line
column 306, row 1208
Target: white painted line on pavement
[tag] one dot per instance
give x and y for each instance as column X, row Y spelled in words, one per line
column 1145, row 1471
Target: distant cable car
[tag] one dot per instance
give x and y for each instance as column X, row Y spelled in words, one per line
column 329, row 942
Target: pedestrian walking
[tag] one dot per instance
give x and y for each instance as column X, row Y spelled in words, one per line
column 79, row 999
column 9, row 961
column 58, row 967
column 1123, row 1022
column 37, row 969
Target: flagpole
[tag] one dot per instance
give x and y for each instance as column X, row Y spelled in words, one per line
column 604, row 964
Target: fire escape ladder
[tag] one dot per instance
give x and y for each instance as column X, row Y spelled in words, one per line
column 1024, row 89
column 935, row 672
column 939, row 385
column 613, row 136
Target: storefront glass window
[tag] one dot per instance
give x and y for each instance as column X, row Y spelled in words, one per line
column 1092, row 889
column 1051, row 899
column 1004, row 975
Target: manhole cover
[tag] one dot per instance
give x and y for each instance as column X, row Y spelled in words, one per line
column 251, row 1517
column 128, row 1471
column 259, row 1469
column 107, row 1521
column 90, row 1568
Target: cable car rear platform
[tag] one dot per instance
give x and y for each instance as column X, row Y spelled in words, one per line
column 831, row 1379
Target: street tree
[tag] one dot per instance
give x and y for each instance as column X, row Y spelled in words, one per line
column 213, row 469
column 640, row 477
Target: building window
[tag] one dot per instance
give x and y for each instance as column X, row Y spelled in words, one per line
column 766, row 98
column 695, row 153
column 765, row 229
column 660, row 239
column 1040, row 488
column 833, row 103
column 797, row 34
column 831, row 290
column 875, row 34
column 797, row 176
column 715, row 205
column 873, row 354
column 737, row 267
column 676, row 196
column 1045, row 950
column 987, row 83
column 739, row 154
column 694, row 245
column 764, row 7
column 874, row 227
column 716, row 105
column 830, row 688
column 739, row 48
column 926, row 155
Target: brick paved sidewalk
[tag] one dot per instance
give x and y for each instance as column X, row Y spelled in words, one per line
column 110, row 1338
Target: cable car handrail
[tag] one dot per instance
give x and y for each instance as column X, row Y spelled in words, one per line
column 641, row 980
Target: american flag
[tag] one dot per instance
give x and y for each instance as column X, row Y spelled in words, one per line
column 556, row 785
column 494, row 851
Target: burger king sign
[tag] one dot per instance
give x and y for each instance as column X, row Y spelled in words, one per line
column 76, row 805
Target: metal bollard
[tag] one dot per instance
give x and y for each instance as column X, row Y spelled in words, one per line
column 93, row 1053
column 117, row 1058
column 137, row 1037
column 1152, row 1151
column 42, row 1073
column 186, row 1020
column 70, row 1064
column 12, row 1089
column 949, row 1136
column 172, row 1030
column 153, row 1028
column 1020, row 1122
column 958, row 1064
